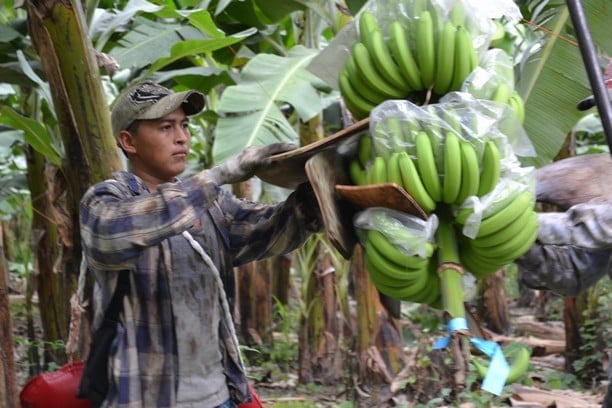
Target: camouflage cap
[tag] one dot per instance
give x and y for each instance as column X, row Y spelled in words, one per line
column 148, row 100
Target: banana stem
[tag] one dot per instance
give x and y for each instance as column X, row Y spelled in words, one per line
column 450, row 269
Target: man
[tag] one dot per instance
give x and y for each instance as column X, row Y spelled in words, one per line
column 574, row 247
column 175, row 344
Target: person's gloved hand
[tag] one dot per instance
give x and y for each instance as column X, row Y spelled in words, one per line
column 573, row 250
column 564, row 269
column 244, row 165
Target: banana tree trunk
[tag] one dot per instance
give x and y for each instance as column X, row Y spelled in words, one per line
column 254, row 285
column 320, row 355
column 46, row 188
column 379, row 338
column 320, row 328
column 493, row 302
column 8, row 368
column 67, row 57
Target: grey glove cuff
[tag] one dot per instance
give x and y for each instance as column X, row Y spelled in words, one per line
column 566, row 270
column 244, row 166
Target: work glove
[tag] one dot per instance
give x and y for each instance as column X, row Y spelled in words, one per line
column 244, row 165
column 573, row 250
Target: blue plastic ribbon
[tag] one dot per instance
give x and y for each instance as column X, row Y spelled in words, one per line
column 497, row 373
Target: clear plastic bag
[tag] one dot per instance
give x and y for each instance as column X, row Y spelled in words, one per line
column 407, row 232
column 473, row 120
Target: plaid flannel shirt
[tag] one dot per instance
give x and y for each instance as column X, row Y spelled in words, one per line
column 126, row 228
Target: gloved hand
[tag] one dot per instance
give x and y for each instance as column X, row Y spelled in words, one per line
column 573, row 250
column 566, row 270
column 244, row 165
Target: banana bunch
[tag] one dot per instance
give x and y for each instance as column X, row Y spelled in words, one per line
column 410, row 278
column 446, row 173
column 398, row 63
column 398, row 255
column 434, row 171
column 505, row 233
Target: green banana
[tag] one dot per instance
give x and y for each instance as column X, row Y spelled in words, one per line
column 410, row 129
column 364, row 149
column 377, row 172
column 434, row 125
column 426, row 165
column 452, row 120
column 498, row 237
column 474, row 263
column 430, row 291
column 457, row 14
column 432, row 295
column 425, row 47
column 519, row 365
column 357, row 173
column 470, row 172
column 518, row 105
column 465, row 58
column 413, row 184
column 502, row 93
column 508, row 250
column 394, row 174
column 366, row 24
column 395, row 134
column 503, row 198
column 491, row 168
column 507, row 215
column 370, row 75
column 445, row 59
column 391, row 252
column 401, row 52
column 452, row 168
column 395, row 273
column 518, row 368
column 523, row 248
column 383, row 61
column 378, row 276
column 358, row 85
column 358, row 106
column 381, row 143
column 408, row 292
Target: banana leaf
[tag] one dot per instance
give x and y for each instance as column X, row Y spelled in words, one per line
column 554, row 79
column 34, row 133
column 147, row 41
column 192, row 47
column 251, row 110
column 105, row 22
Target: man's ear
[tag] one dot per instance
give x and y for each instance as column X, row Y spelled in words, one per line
column 126, row 141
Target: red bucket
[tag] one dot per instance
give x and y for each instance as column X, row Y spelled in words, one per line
column 55, row 390
column 255, row 401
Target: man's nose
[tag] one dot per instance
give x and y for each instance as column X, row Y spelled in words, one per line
column 181, row 135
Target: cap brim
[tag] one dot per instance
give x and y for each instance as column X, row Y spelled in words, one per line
column 191, row 101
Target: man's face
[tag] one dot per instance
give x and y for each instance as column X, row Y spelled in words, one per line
column 158, row 149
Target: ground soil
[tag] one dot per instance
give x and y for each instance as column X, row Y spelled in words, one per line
column 282, row 390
